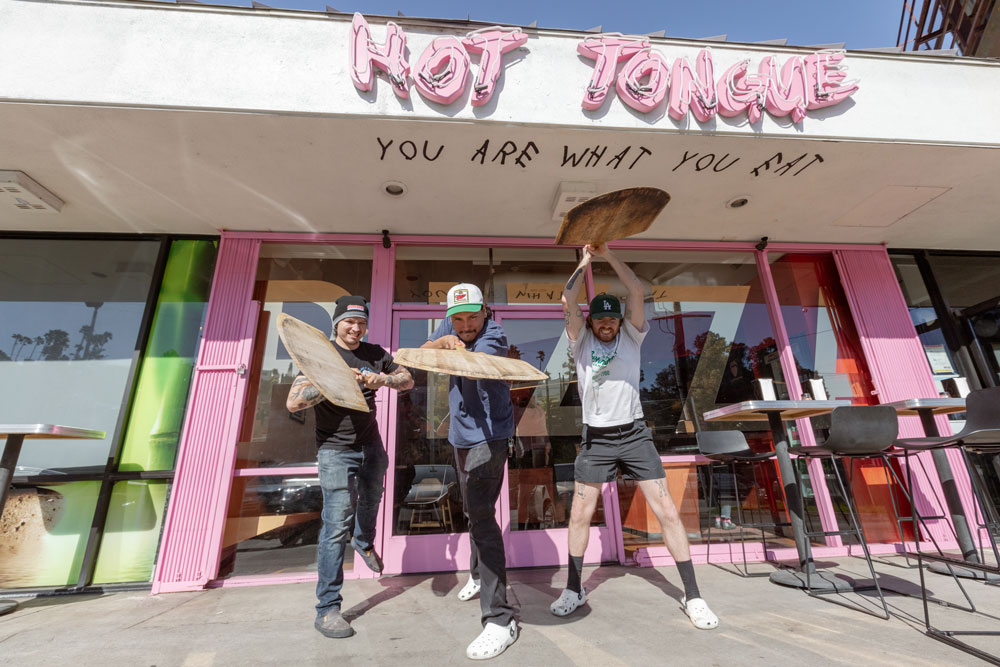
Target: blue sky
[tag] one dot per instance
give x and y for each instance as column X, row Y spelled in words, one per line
column 860, row 23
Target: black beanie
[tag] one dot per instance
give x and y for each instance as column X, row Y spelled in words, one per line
column 350, row 306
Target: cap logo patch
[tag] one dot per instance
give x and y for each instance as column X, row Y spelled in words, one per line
column 607, row 305
column 461, row 296
column 354, row 306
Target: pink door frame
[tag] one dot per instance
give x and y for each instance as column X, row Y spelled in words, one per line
column 190, row 546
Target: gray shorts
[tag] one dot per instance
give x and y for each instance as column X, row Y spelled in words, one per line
column 628, row 447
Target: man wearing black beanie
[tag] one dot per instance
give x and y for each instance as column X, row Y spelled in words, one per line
column 352, row 459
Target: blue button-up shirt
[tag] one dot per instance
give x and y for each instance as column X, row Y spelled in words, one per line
column 480, row 409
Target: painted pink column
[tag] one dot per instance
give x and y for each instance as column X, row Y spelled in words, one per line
column 380, row 333
column 899, row 368
column 817, row 478
column 192, row 530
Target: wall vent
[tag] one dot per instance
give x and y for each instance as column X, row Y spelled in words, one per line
column 569, row 195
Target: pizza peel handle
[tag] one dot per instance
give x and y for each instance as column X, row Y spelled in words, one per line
column 322, row 365
column 611, row 216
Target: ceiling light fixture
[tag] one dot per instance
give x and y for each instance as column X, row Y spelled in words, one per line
column 394, row 188
column 24, row 193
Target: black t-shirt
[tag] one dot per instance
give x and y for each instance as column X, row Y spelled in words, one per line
column 341, row 428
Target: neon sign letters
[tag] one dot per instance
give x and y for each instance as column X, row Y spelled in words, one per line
column 803, row 83
column 443, row 67
column 646, row 80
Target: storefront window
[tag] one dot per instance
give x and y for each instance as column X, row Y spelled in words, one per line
column 70, row 312
column 303, row 281
column 826, row 347
column 506, row 275
column 273, row 526
column 131, row 531
column 157, row 413
column 426, row 495
column 944, row 362
column 709, row 339
column 549, row 419
column 43, row 533
column 970, row 287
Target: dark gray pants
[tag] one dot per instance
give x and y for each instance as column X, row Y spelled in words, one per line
column 480, row 478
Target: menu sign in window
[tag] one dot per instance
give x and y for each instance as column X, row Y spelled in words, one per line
column 937, row 357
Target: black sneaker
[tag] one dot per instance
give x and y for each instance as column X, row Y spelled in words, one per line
column 370, row 557
column 333, row 625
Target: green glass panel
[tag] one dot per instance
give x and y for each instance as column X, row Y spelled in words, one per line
column 43, row 533
column 165, row 375
column 131, row 531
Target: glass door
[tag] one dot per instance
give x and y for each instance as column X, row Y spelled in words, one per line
column 424, row 528
column 548, row 423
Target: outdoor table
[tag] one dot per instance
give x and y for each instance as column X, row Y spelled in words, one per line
column 776, row 413
column 15, row 435
column 927, row 409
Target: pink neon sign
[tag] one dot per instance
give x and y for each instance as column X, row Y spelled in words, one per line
column 646, row 79
column 443, row 67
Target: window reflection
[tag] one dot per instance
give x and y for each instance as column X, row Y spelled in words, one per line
column 303, row 281
column 426, row 495
column 273, row 526
column 549, row 422
column 506, row 275
column 70, row 313
column 710, row 337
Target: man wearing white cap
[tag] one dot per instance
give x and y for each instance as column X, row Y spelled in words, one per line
column 480, row 428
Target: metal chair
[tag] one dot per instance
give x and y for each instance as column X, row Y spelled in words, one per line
column 726, row 449
column 981, row 435
column 860, row 432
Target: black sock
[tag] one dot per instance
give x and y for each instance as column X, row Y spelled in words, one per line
column 575, row 570
column 686, row 570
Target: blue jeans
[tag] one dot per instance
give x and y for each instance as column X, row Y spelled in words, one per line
column 349, row 479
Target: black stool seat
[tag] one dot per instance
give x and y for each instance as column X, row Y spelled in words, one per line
column 859, row 431
column 725, row 446
column 982, row 426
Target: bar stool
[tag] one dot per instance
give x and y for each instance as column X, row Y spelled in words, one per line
column 726, row 449
column 980, row 435
column 856, row 432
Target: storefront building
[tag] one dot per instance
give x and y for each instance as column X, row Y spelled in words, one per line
column 213, row 167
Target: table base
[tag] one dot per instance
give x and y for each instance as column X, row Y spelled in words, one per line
column 963, row 572
column 7, row 606
column 819, row 581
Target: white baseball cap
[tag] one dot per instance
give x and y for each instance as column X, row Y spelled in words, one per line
column 464, row 298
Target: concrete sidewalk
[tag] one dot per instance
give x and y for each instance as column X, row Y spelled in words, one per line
column 633, row 618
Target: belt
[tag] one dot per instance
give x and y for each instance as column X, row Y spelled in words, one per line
column 607, row 430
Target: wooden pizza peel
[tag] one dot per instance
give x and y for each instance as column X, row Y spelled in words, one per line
column 476, row 365
column 615, row 215
column 320, row 363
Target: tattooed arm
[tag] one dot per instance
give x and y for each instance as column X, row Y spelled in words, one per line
column 302, row 395
column 570, row 297
column 399, row 379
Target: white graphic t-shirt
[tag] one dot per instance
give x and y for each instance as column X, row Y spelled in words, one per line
column 608, row 376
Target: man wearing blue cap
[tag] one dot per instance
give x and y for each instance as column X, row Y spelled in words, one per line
column 480, row 428
column 351, row 458
column 605, row 348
